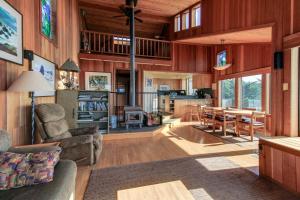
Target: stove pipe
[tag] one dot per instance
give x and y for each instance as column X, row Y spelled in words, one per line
column 132, row 56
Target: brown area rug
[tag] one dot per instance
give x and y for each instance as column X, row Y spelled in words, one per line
column 206, row 178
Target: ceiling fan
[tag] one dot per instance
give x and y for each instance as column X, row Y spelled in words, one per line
column 127, row 11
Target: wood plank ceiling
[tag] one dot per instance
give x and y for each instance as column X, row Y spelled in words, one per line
column 155, row 13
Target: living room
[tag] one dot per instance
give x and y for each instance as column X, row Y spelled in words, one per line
column 149, row 99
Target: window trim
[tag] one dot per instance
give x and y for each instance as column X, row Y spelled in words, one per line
column 193, row 16
column 240, row 92
column 266, row 90
column 220, row 91
column 185, row 17
column 177, row 24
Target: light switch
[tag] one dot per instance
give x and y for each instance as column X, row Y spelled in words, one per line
column 285, row 87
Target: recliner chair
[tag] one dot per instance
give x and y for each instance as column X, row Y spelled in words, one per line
column 82, row 145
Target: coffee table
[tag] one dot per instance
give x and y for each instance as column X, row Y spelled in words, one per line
column 171, row 190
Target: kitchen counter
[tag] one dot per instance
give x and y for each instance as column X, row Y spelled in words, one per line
column 184, row 97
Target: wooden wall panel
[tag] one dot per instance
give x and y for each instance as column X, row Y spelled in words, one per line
column 191, row 58
column 15, row 107
column 280, row 161
column 175, row 84
column 226, row 15
column 245, row 57
column 289, row 171
column 296, row 13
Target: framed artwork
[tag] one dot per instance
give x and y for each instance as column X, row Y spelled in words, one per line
column 97, row 81
column 11, row 34
column 47, row 69
column 48, row 18
column 164, row 87
column 149, row 82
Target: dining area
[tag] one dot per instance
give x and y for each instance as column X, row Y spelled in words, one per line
column 238, row 121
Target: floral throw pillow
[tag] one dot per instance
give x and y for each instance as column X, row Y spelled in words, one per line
column 18, row 170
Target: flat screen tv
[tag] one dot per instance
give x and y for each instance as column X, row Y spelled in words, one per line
column 221, row 58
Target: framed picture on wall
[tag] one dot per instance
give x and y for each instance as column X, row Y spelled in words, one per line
column 11, row 34
column 97, row 81
column 48, row 15
column 149, row 82
column 164, row 87
column 47, row 69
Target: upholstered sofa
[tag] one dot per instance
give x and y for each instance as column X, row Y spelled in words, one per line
column 61, row 188
column 82, row 145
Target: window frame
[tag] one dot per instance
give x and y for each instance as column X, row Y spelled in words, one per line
column 194, row 16
column 220, row 92
column 241, row 92
column 266, row 90
column 185, row 20
column 177, row 23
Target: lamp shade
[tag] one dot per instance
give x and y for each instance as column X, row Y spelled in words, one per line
column 30, row 81
column 70, row 66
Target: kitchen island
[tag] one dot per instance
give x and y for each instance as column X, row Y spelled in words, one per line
column 182, row 105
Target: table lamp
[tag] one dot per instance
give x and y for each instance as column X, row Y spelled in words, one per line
column 68, row 74
column 31, row 81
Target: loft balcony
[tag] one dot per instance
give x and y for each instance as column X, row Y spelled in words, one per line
column 113, row 44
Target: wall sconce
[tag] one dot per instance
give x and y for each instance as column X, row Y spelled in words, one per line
column 69, row 76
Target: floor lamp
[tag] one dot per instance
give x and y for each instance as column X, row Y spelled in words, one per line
column 31, row 81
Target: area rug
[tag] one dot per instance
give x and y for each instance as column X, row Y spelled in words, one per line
column 243, row 140
column 206, row 178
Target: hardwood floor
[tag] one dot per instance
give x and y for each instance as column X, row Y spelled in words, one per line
column 181, row 141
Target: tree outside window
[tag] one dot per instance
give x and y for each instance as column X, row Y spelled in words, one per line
column 251, row 92
column 228, row 93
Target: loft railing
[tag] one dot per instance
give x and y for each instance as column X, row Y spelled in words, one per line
column 105, row 43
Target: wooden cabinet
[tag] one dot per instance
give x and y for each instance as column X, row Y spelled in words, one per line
column 202, row 81
column 279, row 160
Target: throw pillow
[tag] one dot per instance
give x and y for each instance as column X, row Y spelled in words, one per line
column 18, row 170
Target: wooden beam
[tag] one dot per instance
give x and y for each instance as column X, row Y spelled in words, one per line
column 264, row 70
column 291, row 41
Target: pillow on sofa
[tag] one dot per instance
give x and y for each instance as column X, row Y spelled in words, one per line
column 17, row 170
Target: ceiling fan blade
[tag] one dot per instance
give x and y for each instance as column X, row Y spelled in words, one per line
column 118, row 16
column 139, row 20
column 137, row 12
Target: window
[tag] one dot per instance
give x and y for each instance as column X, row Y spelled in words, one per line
column 186, row 20
column 48, row 18
column 177, row 23
column 121, row 41
column 251, row 92
column 189, row 86
column 196, row 16
column 228, row 93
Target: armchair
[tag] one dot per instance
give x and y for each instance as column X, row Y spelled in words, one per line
column 82, row 145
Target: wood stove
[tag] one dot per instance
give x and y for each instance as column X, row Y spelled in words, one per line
column 133, row 116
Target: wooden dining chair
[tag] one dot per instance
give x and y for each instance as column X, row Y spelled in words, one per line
column 208, row 116
column 223, row 119
column 257, row 121
column 194, row 112
column 201, row 114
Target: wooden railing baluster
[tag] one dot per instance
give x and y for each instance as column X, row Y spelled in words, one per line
column 119, row 44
